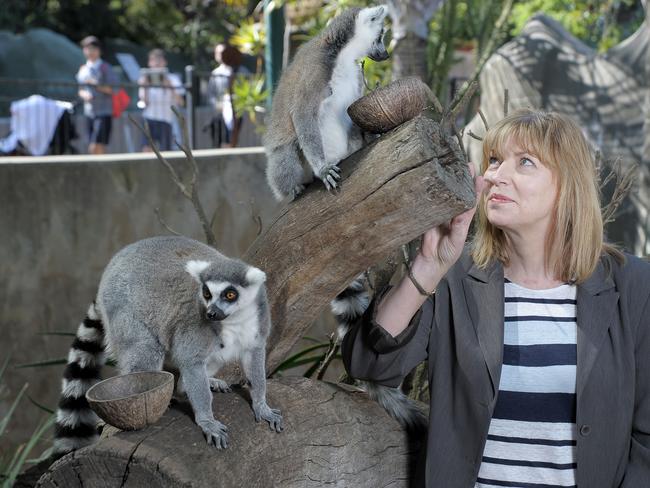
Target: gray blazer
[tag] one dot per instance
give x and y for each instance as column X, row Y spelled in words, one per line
column 460, row 332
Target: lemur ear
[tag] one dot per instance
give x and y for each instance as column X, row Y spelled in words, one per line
column 376, row 14
column 382, row 11
column 255, row 276
column 195, row 268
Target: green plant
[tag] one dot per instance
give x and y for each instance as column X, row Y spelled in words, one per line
column 11, row 467
column 600, row 24
column 249, row 96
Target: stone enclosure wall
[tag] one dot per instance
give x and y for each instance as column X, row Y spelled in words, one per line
column 62, row 218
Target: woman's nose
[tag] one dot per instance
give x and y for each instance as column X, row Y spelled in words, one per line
column 500, row 174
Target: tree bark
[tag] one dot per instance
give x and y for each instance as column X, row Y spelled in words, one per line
column 392, row 191
column 333, row 435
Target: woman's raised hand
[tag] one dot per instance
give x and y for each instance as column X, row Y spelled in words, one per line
column 443, row 245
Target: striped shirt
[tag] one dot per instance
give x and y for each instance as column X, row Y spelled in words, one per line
column 532, row 436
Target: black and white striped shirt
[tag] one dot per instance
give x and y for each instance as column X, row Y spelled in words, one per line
column 532, row 436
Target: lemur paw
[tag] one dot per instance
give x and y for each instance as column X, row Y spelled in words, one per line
column 297, row 190
column 330, row 176
column 271, row 415
column 219, row 385
column 215, row 432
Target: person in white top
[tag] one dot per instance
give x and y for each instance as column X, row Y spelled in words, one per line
column 225, row 126
column 159, row 91
column 96, row 79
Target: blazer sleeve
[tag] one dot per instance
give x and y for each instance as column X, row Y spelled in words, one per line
column 637, row 472
column 371, row 353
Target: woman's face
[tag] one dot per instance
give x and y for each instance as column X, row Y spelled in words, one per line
column 520, row 191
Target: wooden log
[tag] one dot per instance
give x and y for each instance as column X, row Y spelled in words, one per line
column 392, row 191
column 333, row 435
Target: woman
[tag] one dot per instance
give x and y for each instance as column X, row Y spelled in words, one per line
column 537, row 338
column 159, row 91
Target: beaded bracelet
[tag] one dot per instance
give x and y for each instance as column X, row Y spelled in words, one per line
column 417, row 285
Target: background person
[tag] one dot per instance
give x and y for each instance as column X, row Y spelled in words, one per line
column 159, row 99
column 537, row 340
column 96, row 77
column 225, row 126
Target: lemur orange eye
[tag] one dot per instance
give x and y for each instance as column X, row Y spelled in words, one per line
column 230, row 294
column 206, row 293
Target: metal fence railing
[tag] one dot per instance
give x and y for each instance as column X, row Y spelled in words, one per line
column 40, row 117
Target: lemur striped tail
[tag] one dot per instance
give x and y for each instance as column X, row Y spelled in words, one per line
column 76, row 423
column 349, row 306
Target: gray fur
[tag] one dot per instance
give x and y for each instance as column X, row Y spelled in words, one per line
column 293, row 139
column 151, row 304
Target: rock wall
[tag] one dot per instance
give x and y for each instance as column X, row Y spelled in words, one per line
column 61, row 220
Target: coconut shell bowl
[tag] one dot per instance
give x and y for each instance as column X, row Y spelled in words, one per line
column 132, row 401
column 387, row 107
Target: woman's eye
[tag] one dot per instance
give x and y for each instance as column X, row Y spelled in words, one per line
column 206, row 293
column 527, row 162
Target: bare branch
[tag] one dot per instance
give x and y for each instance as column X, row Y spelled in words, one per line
column 480, row 113
column 190, row 192
column 147, row 133
column 624, row 182
column 506, row 102
column 459, row 102
column 474, row 136
column 329, row 356
column 460, row 140
column 256, row 217
column 164, row 224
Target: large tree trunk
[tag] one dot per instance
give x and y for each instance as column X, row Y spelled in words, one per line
column 392, row 191
column 333, row 435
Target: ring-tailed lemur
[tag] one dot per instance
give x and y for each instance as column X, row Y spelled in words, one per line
column 348, row 307
column 178, row 299
column 309, row 120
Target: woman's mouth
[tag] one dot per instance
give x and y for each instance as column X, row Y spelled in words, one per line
column 498, row 198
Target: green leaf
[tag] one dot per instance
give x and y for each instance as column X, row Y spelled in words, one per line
column 290, row 362
column 4, row 366
column 5, row 420
column 19, row 459
column 40, row 405
column 50, row 362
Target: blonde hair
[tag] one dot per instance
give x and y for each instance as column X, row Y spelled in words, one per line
column 575, row 242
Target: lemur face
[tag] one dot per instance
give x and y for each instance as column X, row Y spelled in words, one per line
column 219, row 299
column 371, row 22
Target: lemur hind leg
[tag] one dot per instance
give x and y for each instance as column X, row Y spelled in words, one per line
column 284, row 171
column 133, row 346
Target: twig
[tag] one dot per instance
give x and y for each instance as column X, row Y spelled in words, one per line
column 474, row 136
column 459, row 137
column 329, row 356
column 256, row 217
column 174, row 175
column 480, row 113
column 190, row 191
column 505, row 102
column 624, row 182
column 363, row 75
column 460, row 100
column 164, row 224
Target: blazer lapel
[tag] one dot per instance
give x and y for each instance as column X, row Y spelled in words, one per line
column 484, row 296
column 597, row 303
